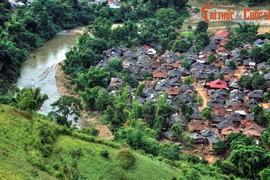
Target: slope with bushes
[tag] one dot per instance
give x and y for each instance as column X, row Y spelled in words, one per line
column 32, row 147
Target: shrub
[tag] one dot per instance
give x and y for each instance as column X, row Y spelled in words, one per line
column 104, row 153
column 90, row 131
column 125, row 158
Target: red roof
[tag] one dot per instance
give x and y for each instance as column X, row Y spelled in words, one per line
column 222, row 33
column 146, row 47
column 111, row 1
column 217, row 84
column 173, row 91
column 159, row 74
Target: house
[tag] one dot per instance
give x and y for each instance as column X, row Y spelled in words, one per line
column 254, row 129
column 148, row 91
column 246, row 123
column 169, row 57
column 229, row 77
column 251, row 103
column 155, row 64
column 176, row 64
column 249, row 64
column 267, row 76
column 113, row 4
column 219, row 110
column 256, row 94
column 184, row 71
column 174, row 74
column 240, row 107
column 197, row 126
column 162, row 85
column 237, row 94
column 129, row 54
column 200, row 76
column 219, row 96
column 226, row 70
column 150, row 51
column 174, row 91
column 179, row 119
column 210, row 136
column 198, row 138
column 129, row 62
column 159, row 74
column 218, row 63
column 184, row 98
column 234, row 84
column 225, row 124
column 215, row 103
column 175, row 82
column 232, row 102
column 235, row 118
column 228, row 130
column 115, row 82
column 102, row 64
column 217, row 84
column 259, row 42
column 222, row 34
column 216, row 119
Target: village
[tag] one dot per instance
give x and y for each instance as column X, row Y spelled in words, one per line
column 230, row 104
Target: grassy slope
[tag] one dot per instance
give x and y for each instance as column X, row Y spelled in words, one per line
column 17, row 129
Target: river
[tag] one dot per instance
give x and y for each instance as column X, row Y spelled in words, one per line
column 39, row 69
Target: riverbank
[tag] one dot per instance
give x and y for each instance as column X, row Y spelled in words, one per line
column 94, row 119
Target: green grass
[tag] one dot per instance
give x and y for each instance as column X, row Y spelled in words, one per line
column 21, row 159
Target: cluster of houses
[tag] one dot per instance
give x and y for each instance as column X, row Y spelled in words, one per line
column 114, row 4
column 15, row 3
column 231, row 105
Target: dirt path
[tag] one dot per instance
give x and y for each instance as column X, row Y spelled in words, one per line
column 238, row 71
column 265, row 105
column 202, row 92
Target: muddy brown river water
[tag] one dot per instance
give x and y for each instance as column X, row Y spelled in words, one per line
column 39, row 69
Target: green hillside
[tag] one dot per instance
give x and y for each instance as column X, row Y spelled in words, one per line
column 23, row 153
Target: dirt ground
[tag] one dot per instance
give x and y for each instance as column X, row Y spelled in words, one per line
column 203, row 94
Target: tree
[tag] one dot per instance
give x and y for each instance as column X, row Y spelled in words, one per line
column 177, row 132
column 181, row 45
column 265, row 137
column 101, row 28
column 125, row 158
column 163, row 113
column 220, row 147
column 244, row 54
column 186, row 110
column 169, row 16
column 266, row 96
column 207, row 113
column 72, row 168
column 232, row 65
column 202, row 26
column 188, row 80
column 185, row 64
column 65, row 108
column 103, row 100
column 211, row 58
column 265, row 174
column 115, row 65
column 94, row 77
column 30, row 99
column 249, row 160
column 171, row 152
